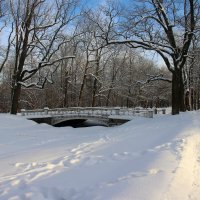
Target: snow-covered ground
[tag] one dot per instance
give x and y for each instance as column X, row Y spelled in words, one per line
column 145, row 159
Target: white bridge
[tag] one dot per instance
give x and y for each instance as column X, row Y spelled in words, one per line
column 109, row 116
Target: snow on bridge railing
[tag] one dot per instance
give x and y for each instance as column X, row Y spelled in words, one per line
column 94, row 111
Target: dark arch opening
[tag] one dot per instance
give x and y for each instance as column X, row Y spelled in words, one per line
column 78, row 123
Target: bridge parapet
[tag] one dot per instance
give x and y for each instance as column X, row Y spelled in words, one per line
column 89, row 111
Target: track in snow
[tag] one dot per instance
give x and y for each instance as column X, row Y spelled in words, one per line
column 185, row 184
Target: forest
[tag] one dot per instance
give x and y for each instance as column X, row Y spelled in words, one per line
column 64, row 53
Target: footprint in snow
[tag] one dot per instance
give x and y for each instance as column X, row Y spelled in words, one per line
column 158, row 148
column 19, row 165
column 136, row 174
column 19, row 183
column 93, row 160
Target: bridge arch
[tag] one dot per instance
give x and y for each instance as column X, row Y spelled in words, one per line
column 79, row 122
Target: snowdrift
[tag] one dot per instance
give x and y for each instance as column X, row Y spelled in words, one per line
column 144, row 159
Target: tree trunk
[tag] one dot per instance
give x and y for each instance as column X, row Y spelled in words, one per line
column 94, row 93
column 108, row 98
column 65, row 102
column 16, row 91
column 81, row 90
column 198, row 102
column 177, row 92
column 182, row 93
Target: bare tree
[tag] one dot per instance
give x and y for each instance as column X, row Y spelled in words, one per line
column 165, row 27
column 39, row 33
column 192, row 76
column 6, row 40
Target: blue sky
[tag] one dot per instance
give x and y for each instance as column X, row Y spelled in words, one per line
column 92, row 3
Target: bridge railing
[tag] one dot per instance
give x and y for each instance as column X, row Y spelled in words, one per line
column 92, row 111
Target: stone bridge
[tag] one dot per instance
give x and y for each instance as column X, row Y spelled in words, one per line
column 108, row 116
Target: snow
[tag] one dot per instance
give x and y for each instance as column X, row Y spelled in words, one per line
column 144, row 159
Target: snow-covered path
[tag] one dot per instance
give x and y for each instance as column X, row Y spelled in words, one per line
column 185, row 183
column 145, row 159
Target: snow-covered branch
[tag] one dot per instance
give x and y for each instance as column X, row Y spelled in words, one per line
column 151, row 78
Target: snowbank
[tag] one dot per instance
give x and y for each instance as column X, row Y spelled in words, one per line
column 144, row 159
